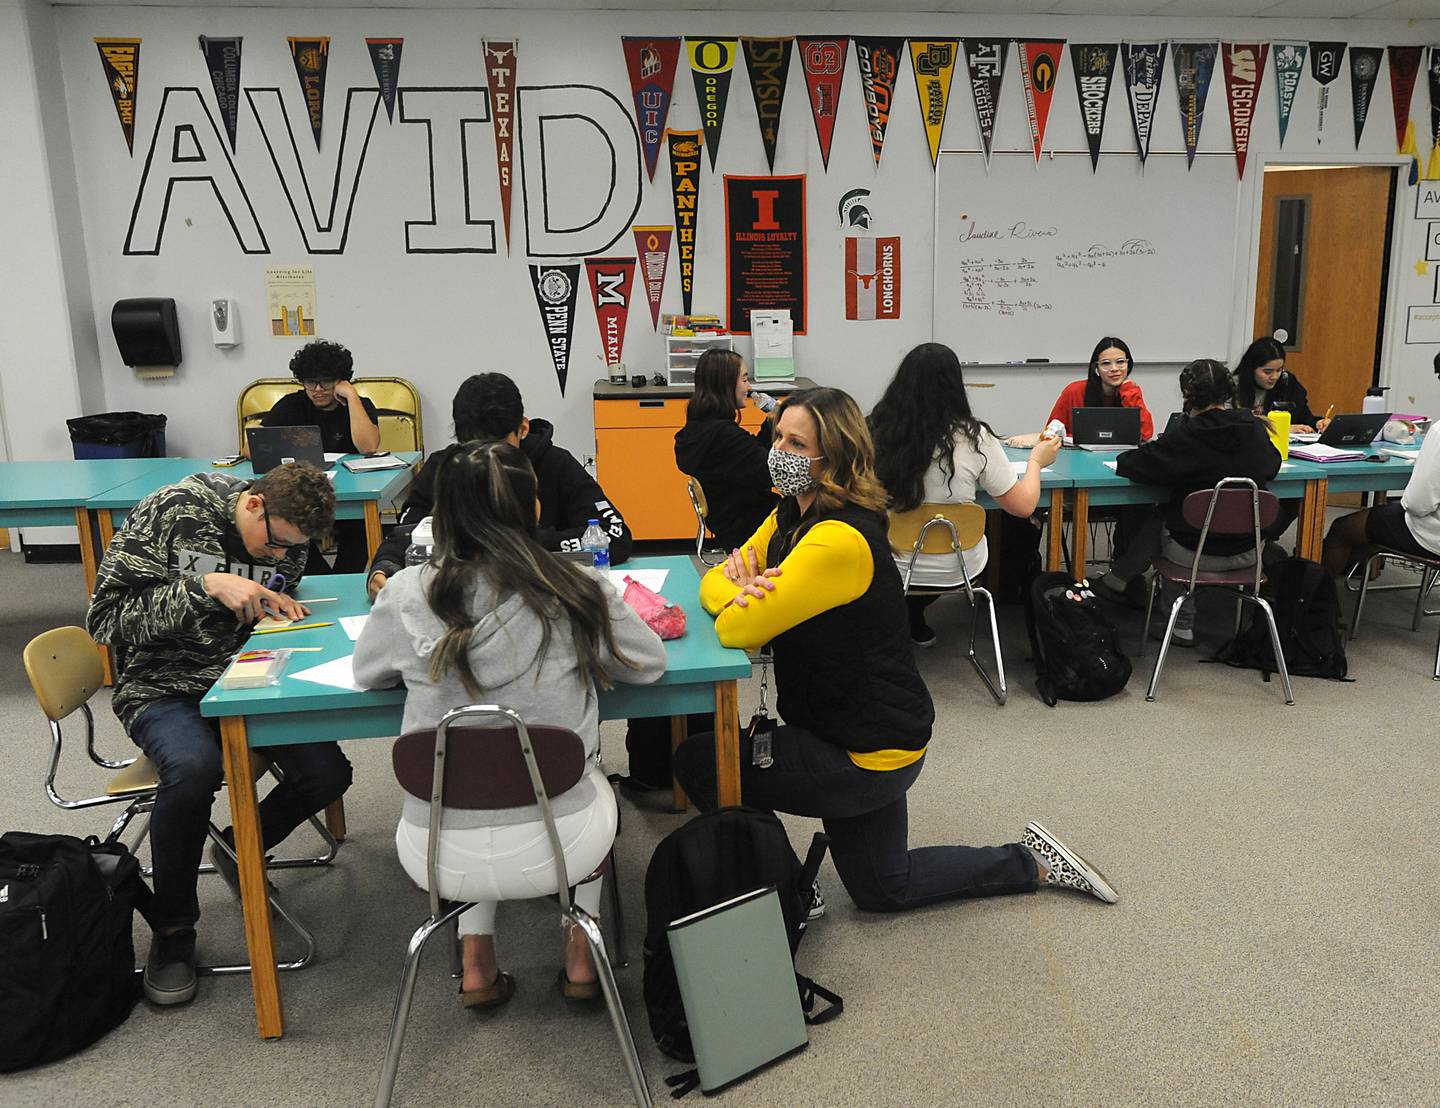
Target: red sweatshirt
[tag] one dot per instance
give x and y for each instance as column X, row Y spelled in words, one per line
column 1073, row 396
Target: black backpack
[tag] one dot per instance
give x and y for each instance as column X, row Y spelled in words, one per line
column 709, row 860
column 67, row 957
column 1307, row 616
column 1076, row 649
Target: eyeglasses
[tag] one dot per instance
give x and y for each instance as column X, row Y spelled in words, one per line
column 1118, row 363
column 270, row 539
column 320, row 383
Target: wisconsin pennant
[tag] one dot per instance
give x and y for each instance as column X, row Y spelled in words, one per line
column 120, row 58
column 610, row 281
column 222, row 59
column 1039, row 69
column 312, row 57
column 1144, row 71
column 1289, row 65
column 651, row 64
column 1244, row 66
column 768, row 60
column 1094, row 65
column 934, row 63
column 500, row 59
column 652, row 245
column 685, row 182
column 1194, row 65
column 712, row 60
column 879, row 61
column 555, row 296
column 823, row 60
column 985, row 58
column 1364, row 69
column 1325, row 61
column 385, row 57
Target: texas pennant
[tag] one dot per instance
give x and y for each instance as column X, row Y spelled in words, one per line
column 1039, row 68
column 1094, row 65
column 1144, row 71
column 500, row 59
column 222, row 59
column 651, row 63
column 985, row 58
column 1325, row 59
column 312, row 56
column 711, row 62
column 1244, row 65
column 823, row 60
column 385, row 57
column 120, row 58
column 768, row 60
column 1364, row 68
column 872, row 278
column 1289, row 65
column 555, row 295
column 652, row 244
column 685, row 181
column 610, row 281
column 934, row 63
column 1404, row 68
column 879, row 61
column 1194, row 65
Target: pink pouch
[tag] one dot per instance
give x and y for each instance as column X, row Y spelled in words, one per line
column 664, row 618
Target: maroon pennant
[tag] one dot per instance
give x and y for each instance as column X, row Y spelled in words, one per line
column 1244, row 64
column 500, row 77
column 823, row 60
column 653, row 246
column 1404, row 68
column 610, row 281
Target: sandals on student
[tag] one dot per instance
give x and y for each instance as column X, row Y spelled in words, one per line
column 581, row 992
column 492, row 996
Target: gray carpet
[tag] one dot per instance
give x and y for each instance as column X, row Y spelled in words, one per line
column 1274, row 941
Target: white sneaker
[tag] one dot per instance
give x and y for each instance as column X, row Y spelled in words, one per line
column 817, row 903
column 1066, row 868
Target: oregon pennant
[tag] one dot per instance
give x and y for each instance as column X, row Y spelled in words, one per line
column 1194, row 66
column 1244, row 66
column 1289, row 65
column 934, row 63
column 610, row 281
column 1404, row 68
column 1039, row 68
column 222, row 60
column 768, row 60
column 500, row 59
column 385, row 57
column 685, row 181
column 823, row 60
column 555, row 295
column 312, row 56
column 712, row 60
column 120, row 58
column 985, row 58
column 1325, row 60
column 651, row 64
column 1094, row 65
column 879, row 61
column 652, row 244
column 1144, row 71
column 1364, row 69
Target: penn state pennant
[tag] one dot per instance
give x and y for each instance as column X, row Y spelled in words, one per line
column 985, row 58
column 312, row 57
column 879, row 61
column 768, row 60
column 1094, row 65
column 1289, row 66
column 120, row 59
column 1364, row 69
column 555, row 295
column 610, row 281
column 933, row 60
column 1244, row 67
column 652, row 245
column 823, row 62
column 1039, row 70
column 222, row 60
column 385, row 57
column 685, row 184
column 1144, row 72
column 651, row 65
column 1194, row 65
column 1325, row 61
column 712, row 60
column 500, row 60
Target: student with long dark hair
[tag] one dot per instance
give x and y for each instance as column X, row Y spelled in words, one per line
column 494, row 617
column 1106, row 385
column 1262, row 386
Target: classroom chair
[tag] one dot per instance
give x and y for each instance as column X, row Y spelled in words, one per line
column 1235, row 506
column 506, row 766
column 957, row 528
column 1430, row 569
column 397, row 408
column 702, row 509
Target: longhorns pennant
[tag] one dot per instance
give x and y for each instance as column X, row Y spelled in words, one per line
column 712, row 60
column 933, row 61
column 120, row 58
column 1364, row 69
column 985, row 58
column 685, row 181
column 1244, row 66
column 1194, row 65
column 1144, row 71
column 312, row 57
column 500, row 60
column 610, row 281
column 768, row 60
column 1039, row 69
column 222, row 59
column 823, row 61
column 651, row 64
column 385, row 57
column 1094, row 65
column 879, row 61
column 652, row 245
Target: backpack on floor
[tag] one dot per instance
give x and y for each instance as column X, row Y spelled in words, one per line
column 712, row 858
column 67, row 957
column 1076, row 649
column 1307, row 616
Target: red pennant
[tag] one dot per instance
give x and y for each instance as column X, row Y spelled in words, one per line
column 610, row 281
column 1244, row 64
column 823, row 60
column 1404, row 67
column 1039, row 70
column 651, row 64
column 652, row 244
column 500, row 59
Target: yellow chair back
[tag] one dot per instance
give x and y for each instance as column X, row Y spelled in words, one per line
column 967, row 519
column 64, row 670
column 397, row 408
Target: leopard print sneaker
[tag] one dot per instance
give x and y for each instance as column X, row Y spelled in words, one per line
column 1066, row 868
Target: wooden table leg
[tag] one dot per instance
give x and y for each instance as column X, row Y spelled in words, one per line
column 373, row 534
column 679, row 731
column 1080, row 526
column 335, row 820
column 245, row 814
column 727, row 743
column 1311, row 532
column 1054, row 545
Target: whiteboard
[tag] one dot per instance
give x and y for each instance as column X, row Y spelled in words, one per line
column 1038, row 262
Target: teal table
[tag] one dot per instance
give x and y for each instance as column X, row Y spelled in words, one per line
column 1055, row 482
column 1322, row 480
column 700, row 675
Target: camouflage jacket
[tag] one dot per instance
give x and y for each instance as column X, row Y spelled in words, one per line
column 168, row 637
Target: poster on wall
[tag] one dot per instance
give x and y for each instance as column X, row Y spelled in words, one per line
column 1325, row 60
column 685, row 184
column 610, row 282
column 555, row 295
column 712, row 61
column 764, row 249
column 651, row 65
column 1039, row 68
column 933, row 61
column 1244, row 66
column 222, row 61
column 290, row 300
column 879, row 62
column 1144, row 71
column 1364, row 69
column 1194, row 65
column 312, row 58
column 385, row 57
column 500, row 59
column 823, row 62
column 652, row 246
column 1094, row 65
column 872, row 277
column 985, row 58
column 1289, row 65
column 768, row 60
column 120, row 59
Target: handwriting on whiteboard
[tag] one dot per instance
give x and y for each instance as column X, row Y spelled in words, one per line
column 1098, row 255
column 1018, row 285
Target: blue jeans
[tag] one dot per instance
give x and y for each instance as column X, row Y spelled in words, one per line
column 185, row 748
column 864, row 813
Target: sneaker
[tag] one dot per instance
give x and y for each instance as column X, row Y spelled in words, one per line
column 225, row 864
column 1066, row 868
column 1132, row 594
column 1181, row 636
column 817, row 903
column 923, row 636
column 170, row 968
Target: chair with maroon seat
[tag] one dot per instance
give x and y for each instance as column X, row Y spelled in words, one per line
column 1429, row 570
column 1235, row 506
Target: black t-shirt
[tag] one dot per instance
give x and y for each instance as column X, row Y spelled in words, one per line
column 295, row 410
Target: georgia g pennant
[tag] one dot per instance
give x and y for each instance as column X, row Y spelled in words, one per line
column 555, row 295
column 120, row 58
column 1039, row 69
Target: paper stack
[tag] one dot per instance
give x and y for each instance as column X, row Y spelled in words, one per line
column 1319, row 452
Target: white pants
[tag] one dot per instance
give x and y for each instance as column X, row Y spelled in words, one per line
column 484, row 865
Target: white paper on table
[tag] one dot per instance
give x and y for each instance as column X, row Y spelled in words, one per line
column 352, row 625
column 1020, row 467
column 1287, row 467
column 1110, row 465
column 338, row 673
column 652, row 579
column 331, row 459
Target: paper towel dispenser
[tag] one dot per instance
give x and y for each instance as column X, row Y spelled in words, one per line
column 147, row 331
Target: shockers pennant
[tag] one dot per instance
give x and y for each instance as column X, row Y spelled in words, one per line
column 1094, row 65
column 651, row 64
column 685, row 180
column 985, row 58
column 312, row 57
column 120, row 58
column 823, row 61
column 222, row 59
column 610, row 281
column 500, row 59
column 1194, row 65
column 385, row 57
column 768, row 60
column 1244, row 65
column 1325, row 60
column 879, row 61
column 555, row 295
column 652, row 244
column 934, row 63
column 1039, row 68
column 1364, row 68
column 712, row 60
column 1144, row 71
column 1289, row 65
column 872, row 278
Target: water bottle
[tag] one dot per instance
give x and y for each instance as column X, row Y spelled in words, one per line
column 596, row 543
column 422, row 540
column 1374, row 402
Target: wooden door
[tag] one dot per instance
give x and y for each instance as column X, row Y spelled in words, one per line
column 1334, row 350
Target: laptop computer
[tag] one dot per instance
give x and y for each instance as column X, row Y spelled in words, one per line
column 1106, row 428
column 1176, row 418
column 1353, row 430
column 273, row 446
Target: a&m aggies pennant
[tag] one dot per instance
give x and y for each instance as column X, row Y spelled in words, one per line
column 872, row 278
column 768, row 60
column 610, row 281
column 385, row 57
column 120, row 58
column 1094, row 65
column 879, row 61
column 500, row 59
column 985, row 58
column 651, row 64
column 1144, row 71
column 1039, row 69
column 712, row 60
column 222, row 59
column 1244, row 65
column 652, row 244
column 555, row 295
column 312, row 57
column 823, row 60
column 934, row 63
column 685, row 180
column 1194, row 65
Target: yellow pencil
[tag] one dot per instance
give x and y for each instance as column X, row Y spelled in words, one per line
column 1330, row 411
column 295, row 627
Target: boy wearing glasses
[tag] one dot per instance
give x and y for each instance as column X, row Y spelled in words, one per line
column 177, row 593
column 328, row 400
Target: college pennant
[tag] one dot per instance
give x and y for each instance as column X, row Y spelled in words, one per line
column 768, row 60
column 555, row 296
column 1144, row 71
column 1244, row 65
column 385, row 57
column 685, row 181
column 1325, row 59
column 312, row 56
column 933, row 61
column 1194, row 66
column 1039, row 68
column 500, row 59
column 651, row 64
column 985, row 58
column 1404, row 68
column 610, row 281
column 652, row 244
column 222, row 60
column 1432, row 168
column 1094, row 65
column 879, row 61
column 823, row 60
column 1289, row 65
column 1364, row 69
column 712, row 60
column 120, row 58
column 872, row 277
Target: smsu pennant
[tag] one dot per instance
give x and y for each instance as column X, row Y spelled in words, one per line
column 1364, row 69
column 985, row 58
column 879, row 61
column 768, row 60
column 652, row 245
column 1289, row 66
column 712, row 60
column 685, row 181
column 610, row 281
column 1244, row 66
column 555, row 296
column 385, row 57
column 872, row 278
column 823, row 60
column 1094, row 65
column 651, row 64
column 312, row 56
column 1325, row 61
column 1039, row 68
column 222, row 60
column 500, row 61
column 934, row 63
column 1144, row 71
column 120, row 58
column 1194, row 65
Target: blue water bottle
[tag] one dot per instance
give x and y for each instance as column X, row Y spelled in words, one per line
column 597, row 544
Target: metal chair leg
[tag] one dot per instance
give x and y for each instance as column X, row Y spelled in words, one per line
column 1275, row 646
column 1427, row 578
column 1001, row 693
column 617, row 913
column 596, row 941
column 122, row 821
column 1437, row 657
column 457, row 951
column 1149, row 608
column 1364, row 588
column 1164, row 644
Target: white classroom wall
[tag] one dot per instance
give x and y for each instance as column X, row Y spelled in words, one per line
column 436, row 318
